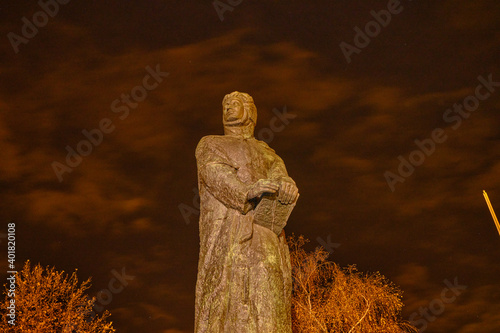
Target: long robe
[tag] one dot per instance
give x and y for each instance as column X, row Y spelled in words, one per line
column 244, row 273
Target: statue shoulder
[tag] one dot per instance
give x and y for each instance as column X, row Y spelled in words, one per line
column 210, row 140
column 209, row 143
column 264, row 145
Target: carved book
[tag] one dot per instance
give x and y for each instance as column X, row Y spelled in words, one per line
column 272, row 214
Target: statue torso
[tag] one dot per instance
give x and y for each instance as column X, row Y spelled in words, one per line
column 251, row 158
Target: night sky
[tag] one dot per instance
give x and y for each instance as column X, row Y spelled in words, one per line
column 344, row 107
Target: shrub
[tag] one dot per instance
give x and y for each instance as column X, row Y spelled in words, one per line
column 327, row 298
column 50, row 301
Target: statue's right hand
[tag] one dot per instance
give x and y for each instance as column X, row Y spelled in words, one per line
column 261, row 187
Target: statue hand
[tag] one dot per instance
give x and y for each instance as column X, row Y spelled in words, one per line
column 288, row 193
column 261, row 187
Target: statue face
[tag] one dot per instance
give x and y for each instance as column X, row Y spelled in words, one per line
column 233, row 110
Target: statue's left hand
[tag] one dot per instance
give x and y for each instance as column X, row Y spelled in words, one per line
column 287, row 193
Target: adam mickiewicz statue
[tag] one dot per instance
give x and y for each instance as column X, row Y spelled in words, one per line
column 244, row 276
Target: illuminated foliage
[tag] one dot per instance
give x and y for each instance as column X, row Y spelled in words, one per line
column 52, row 301
column 327, row 298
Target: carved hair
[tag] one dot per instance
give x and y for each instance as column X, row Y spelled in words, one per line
column 248, row 104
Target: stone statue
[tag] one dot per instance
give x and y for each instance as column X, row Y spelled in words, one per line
column 244, row 278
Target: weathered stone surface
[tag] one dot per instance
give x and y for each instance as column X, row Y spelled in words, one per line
column 244, row 279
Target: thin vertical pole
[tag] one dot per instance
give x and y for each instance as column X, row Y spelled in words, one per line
column 491, row 211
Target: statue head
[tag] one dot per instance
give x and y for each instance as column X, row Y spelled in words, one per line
column 239, row 114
